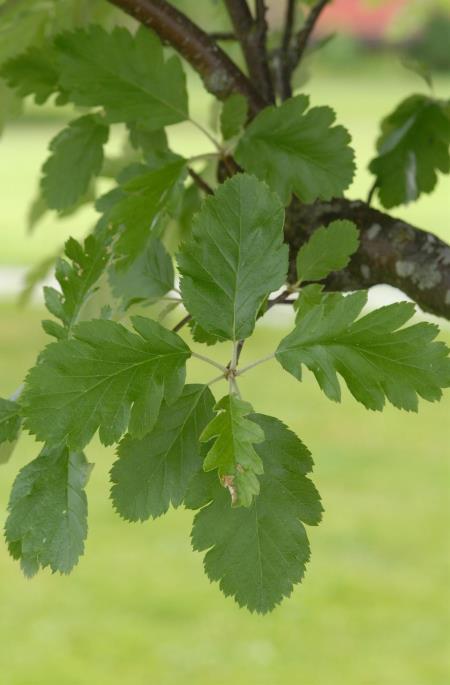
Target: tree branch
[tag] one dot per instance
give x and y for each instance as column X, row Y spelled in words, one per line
column 285, row 57
column 391, row 252
column 252, row 37
column 200, row 182
column 304, row 35
column 222, row 35
column 220, row 74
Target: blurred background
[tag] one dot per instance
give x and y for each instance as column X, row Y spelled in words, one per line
column 374, row 607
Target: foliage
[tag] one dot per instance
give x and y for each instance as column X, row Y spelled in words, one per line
column 245, row 473
column 413, row 146
column 298, row 151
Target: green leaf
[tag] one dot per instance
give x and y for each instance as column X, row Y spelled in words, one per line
column 235, row 257
column 10, row 426
column 141, row 202
column 328, row 249
column 233, row 453
column 47, row 522
column 412, row 147
column 299, row 152
column 125, row 74
column 148, row 140
column 419, row 68
column 258, row 554
column 233, row 115
column 155, row 472
column 376, row 358
column 76, row 157
column 10, row 420
column 11, row 105
column 78, row 279
column 147, row 277
column 34, row 73
column 309, row 297
column 22, row 28
column 105, row 377
column 200, row 335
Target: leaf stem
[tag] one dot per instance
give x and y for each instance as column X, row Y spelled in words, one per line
column 206, row 133
column 217, row 379
column 234, row 386
column 239, row 372
column 209, row 361
column 204, row 155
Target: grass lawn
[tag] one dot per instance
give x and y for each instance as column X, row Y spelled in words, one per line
column 373, row 608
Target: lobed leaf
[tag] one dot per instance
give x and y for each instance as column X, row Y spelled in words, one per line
column 76, row 157
column 147, row 277
column 78, row 279
column 233, row 453
column 47, row 522
column 377, row 359
column 235, row 257
column 126, row 75
column 106, row 377
column 10, row 426
column 298, row 151
column 412, row 148
column 257, row 554
column 34, row 73
column 154, row 472
column 140, row 202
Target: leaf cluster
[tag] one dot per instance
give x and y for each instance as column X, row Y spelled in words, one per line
column 123, row 374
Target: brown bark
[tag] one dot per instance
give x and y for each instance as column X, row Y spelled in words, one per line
column 391, row 252
column 220, row 74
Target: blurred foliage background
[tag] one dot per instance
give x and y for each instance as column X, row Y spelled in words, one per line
column 374, row 606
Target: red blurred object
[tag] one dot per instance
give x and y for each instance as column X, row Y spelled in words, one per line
column 359, row 18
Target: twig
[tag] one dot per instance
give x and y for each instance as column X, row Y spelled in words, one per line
column 371, row 192
column 285, row 81
column 271, row 303
column 216, row 379
column 257, row 363
column 182, row 323
column 304, row 35
column 223, row 35
column 261, row 30
column 252, row 37
column 209, row 361
column 198, row 180
column 288, row 26
column 279, row 299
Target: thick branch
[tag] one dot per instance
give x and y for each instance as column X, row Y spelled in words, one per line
column 391, row 252
column 220, row 74
column 252, row 37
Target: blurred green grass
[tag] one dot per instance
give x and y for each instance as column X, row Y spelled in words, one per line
column 360, row 97
column 138, row 609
